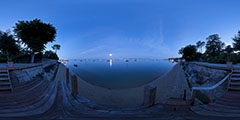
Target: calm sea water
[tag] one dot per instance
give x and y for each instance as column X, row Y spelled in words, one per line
column 118, row 74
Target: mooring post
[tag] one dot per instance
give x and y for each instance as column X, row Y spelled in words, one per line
column 67, row 75
column 74, row 82
column 149, row 95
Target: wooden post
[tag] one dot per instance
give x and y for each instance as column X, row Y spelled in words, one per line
column 211, row 95
column 149, row 95
column 74, row 85
column 194, row 92
column 67, row 75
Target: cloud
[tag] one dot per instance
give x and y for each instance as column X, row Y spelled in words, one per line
column 91, row 50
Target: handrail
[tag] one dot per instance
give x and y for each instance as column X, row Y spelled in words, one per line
column 211, row 89
column 214, row 86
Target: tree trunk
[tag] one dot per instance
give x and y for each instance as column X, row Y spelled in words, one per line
column 32, row 57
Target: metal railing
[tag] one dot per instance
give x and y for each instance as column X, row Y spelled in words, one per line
column 210, row 89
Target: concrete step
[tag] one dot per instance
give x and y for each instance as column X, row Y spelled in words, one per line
column 3, row 74
column 236, row 83
column 236, row 75
column 5, row 88
column 5, row 84
column 235, row 79
column 236, row 71
column 234, row 88
column 4, row 79
column 3, row 71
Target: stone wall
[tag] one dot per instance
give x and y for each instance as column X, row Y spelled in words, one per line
column 203, row 76
column 20, row 76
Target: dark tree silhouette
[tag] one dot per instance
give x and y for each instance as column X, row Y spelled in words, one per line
column 228, row 49
column 214, row 45
column 236, row 41
column 189, row 52
column 180, row 51
column 35, row 34
column 8, row 45
column 51, row 55
column 199, row 45
column 56, row 47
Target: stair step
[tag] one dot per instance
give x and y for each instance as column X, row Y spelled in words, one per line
column 4, row 79
column 235, row 75
column 5, row 84
column 235, row 79
column 5, row 88
column 236, row 71
column 3, row 71
column 3, row 74
column 234, row 88
column 237, row 83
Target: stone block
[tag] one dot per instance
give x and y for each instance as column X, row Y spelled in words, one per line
column 149, row 95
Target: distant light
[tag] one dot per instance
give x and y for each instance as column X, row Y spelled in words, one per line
column 110, row 54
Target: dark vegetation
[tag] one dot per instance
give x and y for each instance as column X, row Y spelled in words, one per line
column 215, row 50
column 28, row 42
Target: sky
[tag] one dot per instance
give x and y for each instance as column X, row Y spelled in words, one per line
column 126, row 28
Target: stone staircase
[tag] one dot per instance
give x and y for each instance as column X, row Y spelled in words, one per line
column 226, row 106
column 5, row 82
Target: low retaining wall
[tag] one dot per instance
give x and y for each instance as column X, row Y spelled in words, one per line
column 170, row 85
column 26, row 73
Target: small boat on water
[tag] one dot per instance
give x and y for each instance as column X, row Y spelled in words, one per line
column 75, row 65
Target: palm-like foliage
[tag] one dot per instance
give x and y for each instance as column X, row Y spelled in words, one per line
column 56, row 47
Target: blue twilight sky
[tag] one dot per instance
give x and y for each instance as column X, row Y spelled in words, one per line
column 127, row 28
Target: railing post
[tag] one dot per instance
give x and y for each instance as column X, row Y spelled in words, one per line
column 67, row 75
column 211, row 95
column 74, row 85
column 194, row 92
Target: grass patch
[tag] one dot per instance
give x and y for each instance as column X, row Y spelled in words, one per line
column 55, row 73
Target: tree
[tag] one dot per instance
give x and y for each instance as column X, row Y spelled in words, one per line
column 200, row 44
column 228, row 49
column 214, row 45
column 189, row 52
column 236, row 41
column 180, row 51
column 35, row 34
column 51, row 55
column 56, row 47
column 8, row 45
